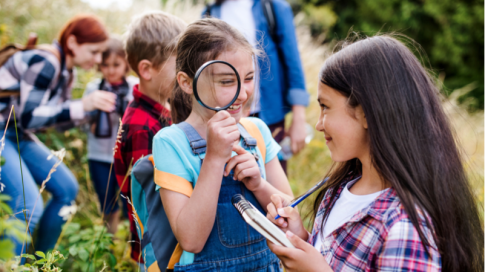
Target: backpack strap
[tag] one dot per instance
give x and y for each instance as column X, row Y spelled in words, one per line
column 101, row 84
column 196, row 142
column 253, row 130
column 176, row 255
column 268, row 11
column 208, row 11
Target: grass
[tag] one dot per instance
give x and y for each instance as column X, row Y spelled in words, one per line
column 304, row 170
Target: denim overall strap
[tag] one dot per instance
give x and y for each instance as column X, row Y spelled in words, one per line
column 248, row 141
column 199, row 145
column 196, row 142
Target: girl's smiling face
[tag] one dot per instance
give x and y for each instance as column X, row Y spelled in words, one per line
column 345, row 128
column 243, row 63
column 113, row 68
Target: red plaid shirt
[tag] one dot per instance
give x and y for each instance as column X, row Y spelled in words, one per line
column 379, row 237
column 143, row 118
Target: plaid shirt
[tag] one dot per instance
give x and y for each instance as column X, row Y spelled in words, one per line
column 45, row 90
column 380, row 237
column 143, row 118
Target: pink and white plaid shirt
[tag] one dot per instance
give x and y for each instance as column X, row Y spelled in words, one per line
column 380, row 237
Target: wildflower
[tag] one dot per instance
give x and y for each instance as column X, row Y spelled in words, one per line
column 66, row 211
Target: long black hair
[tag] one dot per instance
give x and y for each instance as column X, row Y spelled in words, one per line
column 412, row 144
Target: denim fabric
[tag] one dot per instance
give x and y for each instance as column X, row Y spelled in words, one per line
column 100, row 173
column 233, row 245
column 282, row 82
column 63, row 187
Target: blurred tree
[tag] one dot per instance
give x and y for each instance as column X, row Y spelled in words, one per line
column 450, row 32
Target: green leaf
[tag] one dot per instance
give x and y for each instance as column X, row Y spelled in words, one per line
column 74, row 238
column 83, row 254
column 6, row 249
column 5, row 208
column 112, row 260
column 40, row 254
column 73, row 251
column 4, row 197
column 29, row 256
column 2, row 161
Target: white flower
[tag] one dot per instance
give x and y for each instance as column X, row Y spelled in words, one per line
column 2, row 186
column 66, row 211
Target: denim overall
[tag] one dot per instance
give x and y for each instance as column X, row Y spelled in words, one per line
column 232, row 245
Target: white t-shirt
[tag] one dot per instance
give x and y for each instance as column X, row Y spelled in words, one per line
column 239, row 14
column 347, row 205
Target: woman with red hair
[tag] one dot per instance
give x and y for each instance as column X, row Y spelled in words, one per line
column 44, row 77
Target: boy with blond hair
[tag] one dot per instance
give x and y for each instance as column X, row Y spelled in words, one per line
column 150, row 48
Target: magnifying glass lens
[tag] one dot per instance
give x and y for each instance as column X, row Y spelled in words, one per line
column 217, row 85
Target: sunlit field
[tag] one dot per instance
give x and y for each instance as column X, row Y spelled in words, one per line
column 84, row 232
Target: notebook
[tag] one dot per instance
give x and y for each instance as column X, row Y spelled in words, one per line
column 259, row 222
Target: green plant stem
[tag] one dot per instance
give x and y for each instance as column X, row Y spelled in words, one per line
column 95, row 249
column 21, row 173
column 20, row 161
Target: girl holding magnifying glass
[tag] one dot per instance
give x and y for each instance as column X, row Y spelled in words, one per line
column 204, row 159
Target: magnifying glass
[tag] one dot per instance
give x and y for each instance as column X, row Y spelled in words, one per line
column 216, row 85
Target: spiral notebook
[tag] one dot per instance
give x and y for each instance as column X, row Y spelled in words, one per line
column 259, row 222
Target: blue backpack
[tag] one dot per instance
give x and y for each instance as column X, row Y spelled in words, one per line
column 163, row 253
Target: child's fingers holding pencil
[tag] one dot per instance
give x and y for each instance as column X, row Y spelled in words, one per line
column 289, row 216
column 277, row 202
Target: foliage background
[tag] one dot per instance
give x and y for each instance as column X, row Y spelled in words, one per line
column 451, row 32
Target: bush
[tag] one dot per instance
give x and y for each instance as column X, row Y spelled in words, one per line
column 450, row 32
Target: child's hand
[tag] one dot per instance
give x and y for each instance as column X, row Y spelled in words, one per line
column 290, row 219
column 246, row 169
column 222, row 133
column 304, row 257
column 99, row 100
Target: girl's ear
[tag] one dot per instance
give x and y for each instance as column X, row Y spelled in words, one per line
column 71, row 43
column 185, row 82
column 144, row 67
column 360, row 115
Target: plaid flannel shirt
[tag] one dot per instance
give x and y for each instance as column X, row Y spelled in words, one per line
column 45, row 90
column 143, row 118
column 379, row 237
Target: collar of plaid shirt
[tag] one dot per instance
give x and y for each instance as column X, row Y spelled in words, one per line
column 357, row 243
column 150, row 105
column 385, row 201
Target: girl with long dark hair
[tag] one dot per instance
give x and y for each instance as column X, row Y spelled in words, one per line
column 397, row 197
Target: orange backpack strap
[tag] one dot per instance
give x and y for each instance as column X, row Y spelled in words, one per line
column 176, row 255
column 253, row 130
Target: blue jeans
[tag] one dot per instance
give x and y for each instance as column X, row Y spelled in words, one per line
column 99, row 172
column 63, row 187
